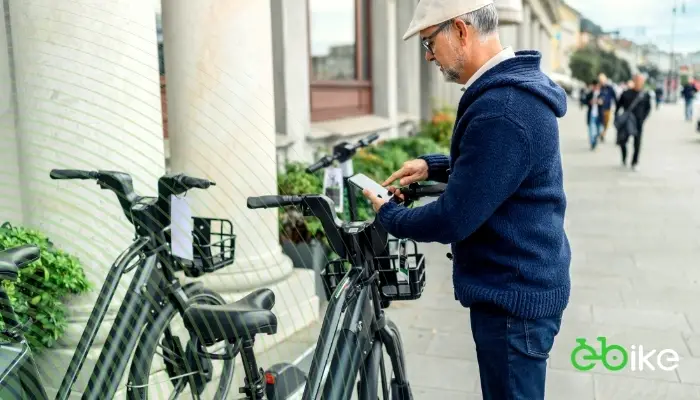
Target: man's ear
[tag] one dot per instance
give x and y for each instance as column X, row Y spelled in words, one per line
column 462, row 30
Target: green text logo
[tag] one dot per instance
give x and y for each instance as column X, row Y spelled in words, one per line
column 615, row 357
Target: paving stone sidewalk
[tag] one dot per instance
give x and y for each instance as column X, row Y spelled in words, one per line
column 635, row 238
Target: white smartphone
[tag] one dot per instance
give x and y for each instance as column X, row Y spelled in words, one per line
column 362, row 181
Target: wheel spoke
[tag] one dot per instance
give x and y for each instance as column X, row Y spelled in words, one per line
column 181, row 373
column 170, row 351
column 163, row 381
column 178, row 390
column 167, row 358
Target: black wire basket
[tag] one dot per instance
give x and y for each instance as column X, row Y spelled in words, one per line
column 401, row 274
column 214, row 246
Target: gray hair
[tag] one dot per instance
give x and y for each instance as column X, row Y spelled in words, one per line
column 484, row 20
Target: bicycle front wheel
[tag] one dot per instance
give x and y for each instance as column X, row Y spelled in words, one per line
column 166, row 364
column 375, row 376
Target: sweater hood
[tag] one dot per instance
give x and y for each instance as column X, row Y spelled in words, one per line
column 523, row 72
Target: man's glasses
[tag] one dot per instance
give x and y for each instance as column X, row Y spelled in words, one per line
column 428, row 41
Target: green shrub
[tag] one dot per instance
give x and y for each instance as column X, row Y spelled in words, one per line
column 378, row 162
column 42, row 285
column 439, row 128
column 292, row 224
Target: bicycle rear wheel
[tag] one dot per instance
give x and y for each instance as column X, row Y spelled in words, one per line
column 183, row 370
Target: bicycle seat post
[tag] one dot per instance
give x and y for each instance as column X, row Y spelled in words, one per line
column 254, row 385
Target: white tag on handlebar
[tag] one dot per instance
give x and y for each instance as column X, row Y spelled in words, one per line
column 181, row 228
column 333, row 187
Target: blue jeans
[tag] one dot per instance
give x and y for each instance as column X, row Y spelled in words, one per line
column 512, row 353
column 689, row 110
column 595, row 127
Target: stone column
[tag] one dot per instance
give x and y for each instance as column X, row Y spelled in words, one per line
column 427, row 86
column 535, row 35
column 546, row 46
column 221, row 124
column 524, row 28
column 10, row 192
column 508, row 34
column 384, row 61
column 290, row 48
column 410, row 56
column 509, row 11
column 88, row 97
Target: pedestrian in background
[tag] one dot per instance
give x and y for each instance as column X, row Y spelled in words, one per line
column 607, row 94
column 583, row 92
column 594, row 117
column 636, row 104
column 504, row 206
column 688, row 92
column 659, row 91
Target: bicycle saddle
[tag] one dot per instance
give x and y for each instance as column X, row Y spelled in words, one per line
column 12, row 260
column 242, row 319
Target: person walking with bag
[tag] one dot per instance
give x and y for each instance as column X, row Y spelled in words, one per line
column 636, row 104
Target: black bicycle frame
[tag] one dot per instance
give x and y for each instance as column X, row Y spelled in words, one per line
column 143, row 300
column 354, row 325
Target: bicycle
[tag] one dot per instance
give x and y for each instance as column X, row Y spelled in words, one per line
column 155, row 296
column 343, row 153
column 354, row 328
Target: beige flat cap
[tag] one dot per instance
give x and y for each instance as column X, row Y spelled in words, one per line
column 434, row 12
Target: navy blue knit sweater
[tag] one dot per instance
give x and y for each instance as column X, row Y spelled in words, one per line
column 503, row 209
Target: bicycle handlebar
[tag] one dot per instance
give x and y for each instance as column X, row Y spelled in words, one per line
column 195, row 183
column 416, row 191
column 72, row 174
column 319, row 206
column 322, row 163
column 369, row 139
column 273, row 201
column 342, row 152
column 121, row 184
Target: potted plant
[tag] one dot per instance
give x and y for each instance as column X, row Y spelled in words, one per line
column 301, row 237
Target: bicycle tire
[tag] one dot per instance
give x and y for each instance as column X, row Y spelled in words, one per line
column 146, row 349
column 378, row 386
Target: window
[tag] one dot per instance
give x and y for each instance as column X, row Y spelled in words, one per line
column 340, row 58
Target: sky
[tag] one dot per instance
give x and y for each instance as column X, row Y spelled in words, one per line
column 654, row 16
column 332, row 24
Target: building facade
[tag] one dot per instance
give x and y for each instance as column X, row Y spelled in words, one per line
column 341, row 69
column 247, row 86
column 566, row 38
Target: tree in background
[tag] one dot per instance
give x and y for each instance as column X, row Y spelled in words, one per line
column 652, row 72
column 584, row 66
column 588, row 62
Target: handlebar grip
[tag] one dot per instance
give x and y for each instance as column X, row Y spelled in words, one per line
column 371, row 138
column 430, row 190
column 192, row 183
column 322, row 163
column 271, row 201
column 417, row 191
column 72, row 174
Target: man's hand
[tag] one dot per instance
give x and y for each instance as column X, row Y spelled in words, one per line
column 376, row 201
column 411, row 171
